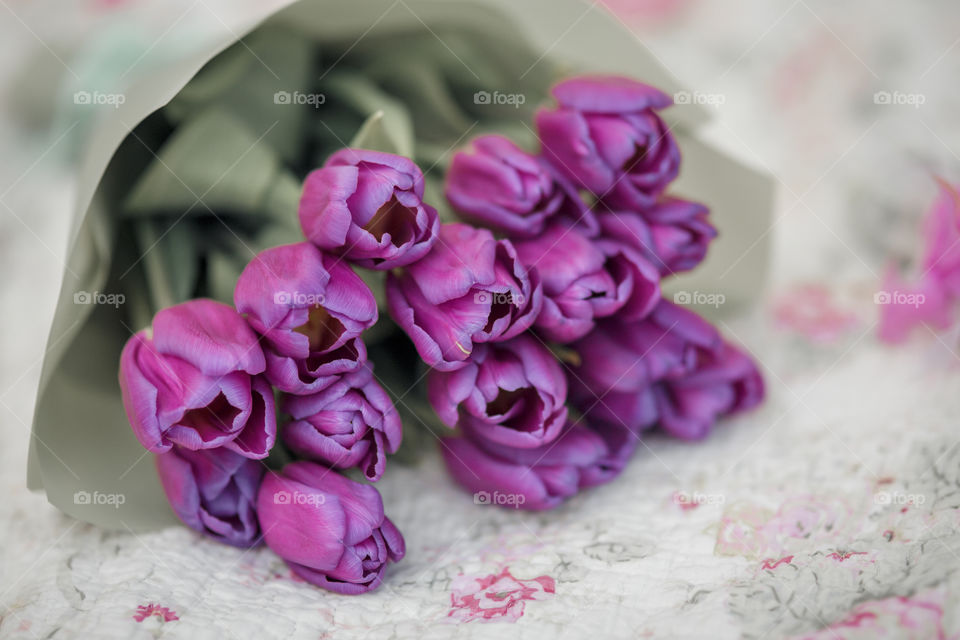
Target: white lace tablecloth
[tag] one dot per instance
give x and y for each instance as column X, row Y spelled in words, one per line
column 833, row 511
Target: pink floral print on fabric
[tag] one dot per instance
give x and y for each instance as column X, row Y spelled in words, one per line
column 496, row 597
column 918, row 616
column 152, row 610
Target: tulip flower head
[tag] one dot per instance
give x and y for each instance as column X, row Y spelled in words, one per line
column 539, row 478
column 351, row 423
column 194, row 380
column 331, row 530
column 498, row 185
column 584, row 280
column 606, row 136
column 214, row 492
column 310, row 308
column 511, row 392
column 470, row 288
column 673, row 234
column 368, row 207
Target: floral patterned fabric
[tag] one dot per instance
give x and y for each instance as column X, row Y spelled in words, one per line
column 831, row 512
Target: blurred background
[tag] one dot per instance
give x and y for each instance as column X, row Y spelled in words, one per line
column 850, row 106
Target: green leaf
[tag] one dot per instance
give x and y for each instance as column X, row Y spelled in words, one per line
column 223, row 269
column 230, row 252
column 376, row 281
column 212, row 162
column 375, row 136
column 282, row 201
column 250, row 81
column 436, row 115
column 169, row 259
column 359, row 93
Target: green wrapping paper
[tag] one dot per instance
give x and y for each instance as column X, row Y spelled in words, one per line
column 200, row 167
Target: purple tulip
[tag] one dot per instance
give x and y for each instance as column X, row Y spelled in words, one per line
column 368, row 207
column 310, row 309
column 605, row 136
column 672, row 369
column 941, row 242
column 541, row 478
column 351, row 423
column 214, row 492
column 621, row 360
column 509, row 392
column 673, row 234
column 724, row 381
column 330, row 530
column 621, row 444
column 585, row 279
column 500, row 186
column 192, row 380
column 469, row 289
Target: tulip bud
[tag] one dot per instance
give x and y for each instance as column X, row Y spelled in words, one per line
column 498, row 185
column 214, row 492
column 672, row 370
column 192, row 380
column 621, row 360
column 310, row 309
column 673, row 234
column 469, row 289
column 510, row 392
column 368, row 207
column 605, row 136
column 585, row 279
column 351, row 423
column 540, row 478
column 329, row 529
column 725, row 381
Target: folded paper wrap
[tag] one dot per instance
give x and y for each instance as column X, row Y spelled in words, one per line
column 199, row 167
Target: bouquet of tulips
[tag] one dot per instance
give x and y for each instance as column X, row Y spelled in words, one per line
column 540, row 335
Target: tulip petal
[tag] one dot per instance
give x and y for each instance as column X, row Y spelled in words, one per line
column 609, row 94
column 324, row 214
column 210, row 335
